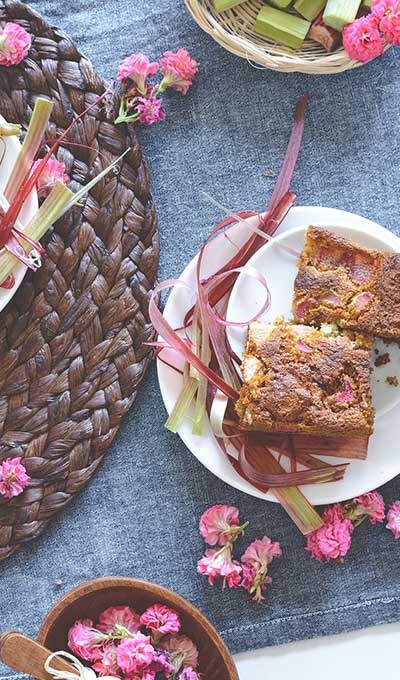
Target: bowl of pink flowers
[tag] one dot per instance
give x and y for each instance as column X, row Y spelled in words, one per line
column 131, row 629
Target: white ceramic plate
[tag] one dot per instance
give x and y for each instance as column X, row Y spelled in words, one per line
column 9, row 148
column 279, row 268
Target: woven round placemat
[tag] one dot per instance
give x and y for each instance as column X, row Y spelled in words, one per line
column 71, row 341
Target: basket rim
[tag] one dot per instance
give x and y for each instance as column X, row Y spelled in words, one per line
column 327, row 63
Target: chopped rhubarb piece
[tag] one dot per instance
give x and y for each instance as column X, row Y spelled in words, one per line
column 361, row 271
column 303, row 306
column 332, row 299
column 346, row 395
column 362, row 300
column 302, row 347
column 9, row 282
column 324, row 35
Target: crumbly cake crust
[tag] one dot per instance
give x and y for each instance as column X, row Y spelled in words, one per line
column 341, row 282
column 297, row 379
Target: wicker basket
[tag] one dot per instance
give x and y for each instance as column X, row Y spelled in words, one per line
column 233, row 30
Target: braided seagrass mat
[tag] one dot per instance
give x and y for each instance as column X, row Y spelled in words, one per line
column 71, row 341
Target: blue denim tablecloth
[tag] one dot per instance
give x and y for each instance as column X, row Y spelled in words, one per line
column 139, row 515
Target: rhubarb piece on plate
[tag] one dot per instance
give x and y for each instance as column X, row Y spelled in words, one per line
column 347, row 284
column 297, row 379
column 325, row 35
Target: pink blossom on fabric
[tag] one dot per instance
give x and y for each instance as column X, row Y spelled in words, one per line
column 393, row 519
column 84, row 640
column 113, row 617
column 54, row 171
column 134, row 655
column 179, row 70
column 261, row 552
column 181, row 650
column 161, row 619
column 371, row 504
column 218, row 563
column 362, row 39
column 108, row 664
column 217, row 522
column 150, row 110
column 333, row 513
column 14, row 44
column 332, row 541
column 255, row 561
column 13, row 477
column 138, row 68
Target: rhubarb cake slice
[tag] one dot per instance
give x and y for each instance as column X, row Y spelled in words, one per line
column 298, row 379
column 344, row 283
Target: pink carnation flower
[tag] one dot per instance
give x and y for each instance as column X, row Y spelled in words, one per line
column 182, row 652
column 150, row 110
column 333, row 513
column 138, row 68
column 53, row 171
column 13, row 477
column 84, row 640
column 108, row 664
column 362, row 39
column 161, row 619
column 255, row 560
column 332, row 541
column 370, row 504
column 388, row 14
column 393, row 519
column 218, row 524
column 135, row 654
column 114, row 617
column 218, row 563
column 179, row 70
column 14, row 44
column 162, row 664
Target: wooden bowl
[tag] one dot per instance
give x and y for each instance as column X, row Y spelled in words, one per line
column 90, row 598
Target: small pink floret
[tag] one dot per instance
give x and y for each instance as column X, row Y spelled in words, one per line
column 161, row 619
column 371, row 504
column 217, row 563
column 346, row 395
column 107, row 664
column 217, row 522
column 181, row 647
column 135, row 654
column 362, row 39
column 332, row 541
column 13, row 477
column 388, row 14
column 54, row 171
column 138, row 68
column 14, row 44
column 151, row 110
column 84, row 640
column 111, row 618
column 261, row 552
column 362, row 300
column 393, row 519
column 179, row 70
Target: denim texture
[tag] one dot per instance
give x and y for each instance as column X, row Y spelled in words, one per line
column 139, row 515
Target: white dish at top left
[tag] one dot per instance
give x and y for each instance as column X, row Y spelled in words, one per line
column 9, row 149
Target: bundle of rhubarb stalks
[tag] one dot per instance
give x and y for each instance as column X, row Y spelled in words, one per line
column 290, row 22
column 21, row 242
column 201, row 353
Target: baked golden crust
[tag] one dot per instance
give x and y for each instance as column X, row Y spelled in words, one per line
column 297, row 379
column 341, row 282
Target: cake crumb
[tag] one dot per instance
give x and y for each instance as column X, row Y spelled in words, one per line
column 392, row 380
column 382, row 359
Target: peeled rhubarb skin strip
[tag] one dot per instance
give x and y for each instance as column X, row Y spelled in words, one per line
column 338, row 13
